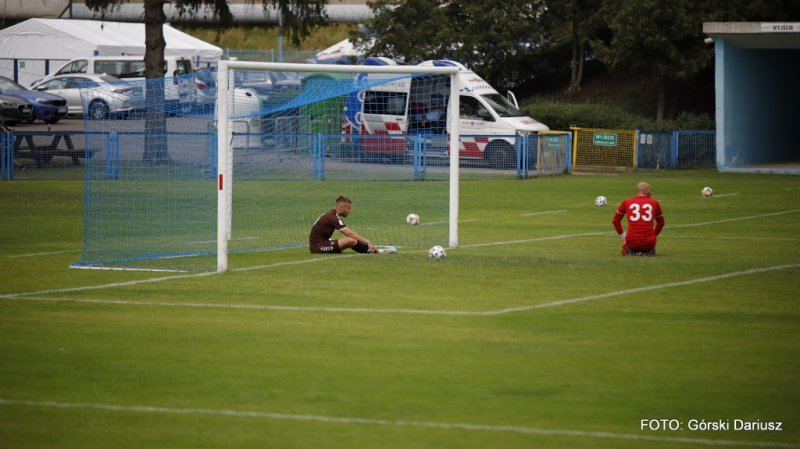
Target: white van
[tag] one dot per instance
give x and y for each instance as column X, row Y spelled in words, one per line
column 488, row 122
column 131, row 68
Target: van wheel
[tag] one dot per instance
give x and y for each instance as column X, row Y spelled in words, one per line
column 501, row 156
column 98, row 110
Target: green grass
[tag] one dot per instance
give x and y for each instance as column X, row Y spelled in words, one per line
column 338, row 351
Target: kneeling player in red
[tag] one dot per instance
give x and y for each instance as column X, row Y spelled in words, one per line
column 641, row 210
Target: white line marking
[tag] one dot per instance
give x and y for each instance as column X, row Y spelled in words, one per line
column 735, row 219
column 726, row 194
column 444, row 222
column 538, row 239
column 413, row 311
column 47, row 254
column 645, row 289
column 16, row 295
column 731, row 238
column 543, row 213
column 384, row 422
column 167, row 278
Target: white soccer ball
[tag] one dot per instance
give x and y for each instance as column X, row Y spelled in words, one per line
column 707, row 192
column 437, row 253
column 412, row 219
column 601, row 201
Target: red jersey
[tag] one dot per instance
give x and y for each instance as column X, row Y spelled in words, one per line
column 641, row 211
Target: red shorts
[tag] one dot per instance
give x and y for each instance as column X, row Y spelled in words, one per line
column 325, row 247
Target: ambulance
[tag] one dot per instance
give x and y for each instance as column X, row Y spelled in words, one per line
column 383, row 122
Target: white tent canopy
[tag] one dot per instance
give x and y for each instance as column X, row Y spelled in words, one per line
column 64, row 39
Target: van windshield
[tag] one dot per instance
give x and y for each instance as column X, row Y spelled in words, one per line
column 501, row 105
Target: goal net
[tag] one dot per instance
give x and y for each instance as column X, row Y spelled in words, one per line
column 246, row 156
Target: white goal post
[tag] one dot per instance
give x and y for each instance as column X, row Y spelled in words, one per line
column 225, row 96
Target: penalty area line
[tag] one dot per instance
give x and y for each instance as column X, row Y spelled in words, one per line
column 411, row 311
column 388, row 423
column 543, row 213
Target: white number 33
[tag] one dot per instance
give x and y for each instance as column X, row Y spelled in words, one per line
column 635, row 214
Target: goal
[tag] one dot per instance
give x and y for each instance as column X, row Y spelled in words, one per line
column 253, row 153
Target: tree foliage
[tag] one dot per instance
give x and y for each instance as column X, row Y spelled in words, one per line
column 660, row 38
column 487, row 37
column 667, row 42
column 412, row 30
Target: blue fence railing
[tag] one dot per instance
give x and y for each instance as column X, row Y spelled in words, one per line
column 30, row 155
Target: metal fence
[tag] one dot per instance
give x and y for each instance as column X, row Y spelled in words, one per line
column 28, row 155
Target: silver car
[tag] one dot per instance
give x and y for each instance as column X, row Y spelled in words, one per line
column 103, row 95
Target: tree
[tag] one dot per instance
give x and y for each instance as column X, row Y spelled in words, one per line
column 299, row 16
column 488, row 37
column 663, row 38
column 493, row 37
column 581, row 20
column 410, row 30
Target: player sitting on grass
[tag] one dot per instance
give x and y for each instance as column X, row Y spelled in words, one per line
column 640, row 210
column 320, row 241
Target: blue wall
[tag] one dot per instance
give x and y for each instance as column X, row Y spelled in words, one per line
column 758, row 105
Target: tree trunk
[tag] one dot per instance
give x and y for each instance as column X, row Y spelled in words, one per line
column 155, row 142
column 574, row 84
column 662, row 97
column 582, row 60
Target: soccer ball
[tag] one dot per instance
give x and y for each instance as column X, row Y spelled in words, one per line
column 412, row 219
column 437, row 253
column 601, row 201
column 707, row 192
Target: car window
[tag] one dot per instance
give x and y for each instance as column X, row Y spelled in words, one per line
column 469, row 107
column 7, row 84
column 184, row 67
column 78, row 66
column 54, row 84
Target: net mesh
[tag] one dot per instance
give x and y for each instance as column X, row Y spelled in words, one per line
column 297, row 141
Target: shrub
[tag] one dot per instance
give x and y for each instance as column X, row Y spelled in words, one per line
column 561, row 116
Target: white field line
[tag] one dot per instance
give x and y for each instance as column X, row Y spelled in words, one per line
column 166, row 278
column 47, row 253
column 780, row 239
column 258, row 267
column 734, row 219
column 414, row 311
column 543, row 213
column 645, row 289
column 444, row 222
column 538, row 239
column 389, row 423
column 726, row 194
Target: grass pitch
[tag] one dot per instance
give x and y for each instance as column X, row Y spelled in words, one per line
column 534, row 332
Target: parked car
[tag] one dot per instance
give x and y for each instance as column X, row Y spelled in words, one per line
column 266, row 83
column 104, row 95
column 14, row 109
column 46, row 106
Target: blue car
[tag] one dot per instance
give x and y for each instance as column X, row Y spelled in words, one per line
column 46, row 107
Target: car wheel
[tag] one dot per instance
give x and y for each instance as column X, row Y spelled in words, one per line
column 98, row 110
column 501, row 156
column 52, row 121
